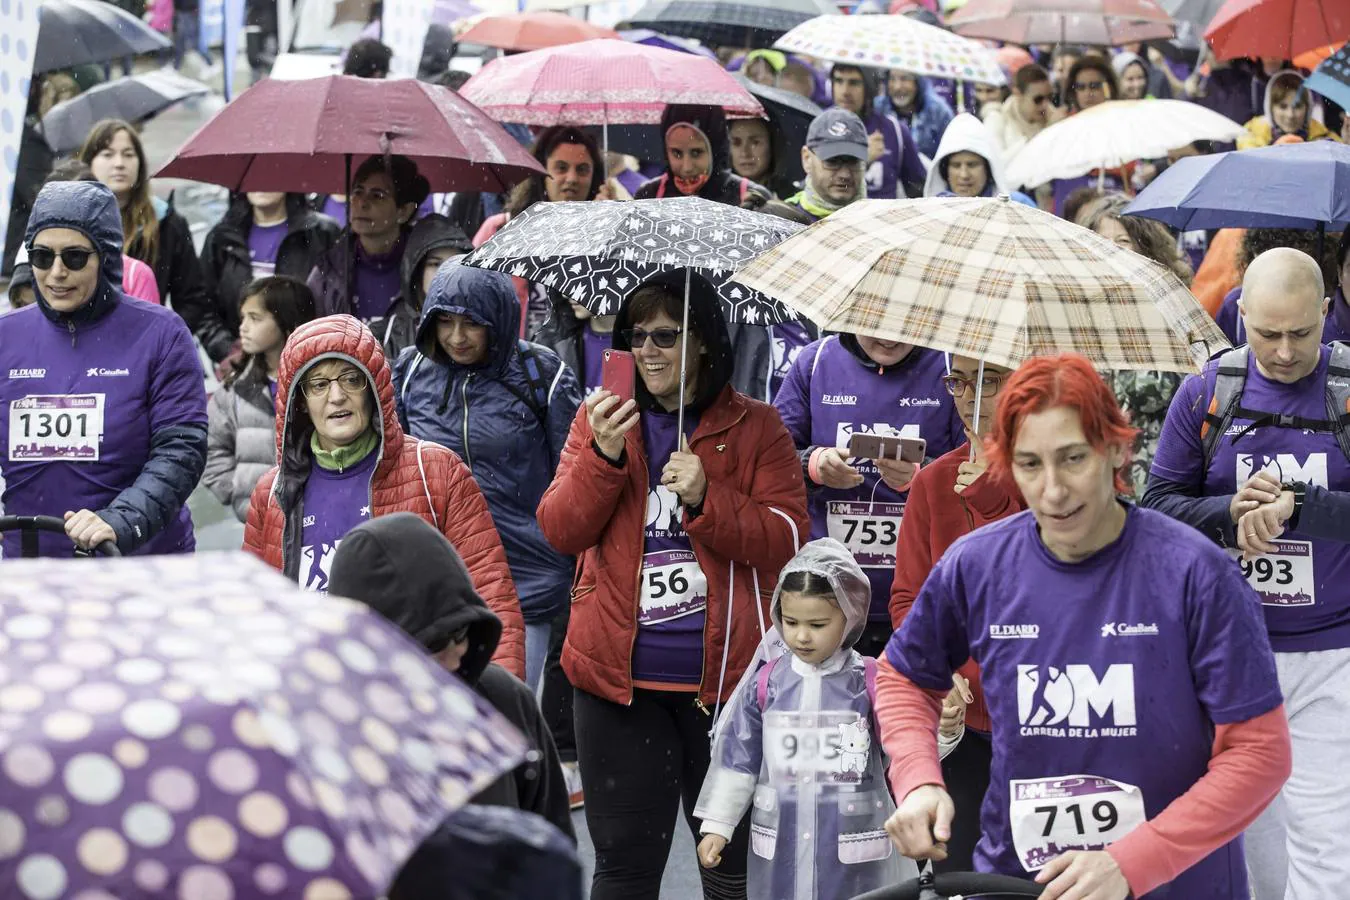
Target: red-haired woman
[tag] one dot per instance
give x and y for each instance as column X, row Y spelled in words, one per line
column 1136, row 718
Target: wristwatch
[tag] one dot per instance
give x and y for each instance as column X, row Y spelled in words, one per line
column 1300, row 491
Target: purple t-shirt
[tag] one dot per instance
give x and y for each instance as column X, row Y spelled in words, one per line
column 378, row 280
column 673, row 600
column 593, row 347
column 263, row 243
column 1305, row 585
column 335, row 209
column 828, row 395
column 78, row 411
column 1091, row 670
column 335, row 502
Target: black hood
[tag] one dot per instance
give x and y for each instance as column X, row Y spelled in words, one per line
column 705, row 319
column 432, row 232
column 710, row 120
column 405, row 570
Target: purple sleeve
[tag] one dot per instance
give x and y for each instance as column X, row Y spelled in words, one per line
column 177, row 383
column 932, row 642
column 793, row 401
column 1231, row 660
column 1227, row 316
column 912, row 171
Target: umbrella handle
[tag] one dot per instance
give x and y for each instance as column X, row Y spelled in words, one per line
column 979, row 392
column 684, row 355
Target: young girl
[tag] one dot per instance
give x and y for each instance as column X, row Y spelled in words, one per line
column 241, row 430
column 800, row 746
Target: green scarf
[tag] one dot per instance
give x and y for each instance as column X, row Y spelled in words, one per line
column 344, row 458
column 818, row 206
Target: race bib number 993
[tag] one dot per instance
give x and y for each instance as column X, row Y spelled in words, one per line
column 1284, row 577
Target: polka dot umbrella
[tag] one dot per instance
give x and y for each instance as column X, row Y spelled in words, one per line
column 197, row 727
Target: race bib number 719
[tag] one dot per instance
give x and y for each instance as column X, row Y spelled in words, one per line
column 56, row 427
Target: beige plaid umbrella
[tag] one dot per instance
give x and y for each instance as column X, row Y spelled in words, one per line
column 986, row 278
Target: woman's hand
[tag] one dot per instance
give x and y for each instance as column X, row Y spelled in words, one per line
column 710, row 850
column 897, row 473
column 834, row 472
column 87, row 530
column 1083, row 875
column 683, row 475
column 922, row 825
column 954, row 707
column 610, row 421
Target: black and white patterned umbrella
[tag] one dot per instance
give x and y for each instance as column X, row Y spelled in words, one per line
column 595, row 253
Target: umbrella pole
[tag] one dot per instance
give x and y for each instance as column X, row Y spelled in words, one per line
column 604, row 137
column 979, row 392
column 1321, row 241
column 350, row 275
column 684, row 354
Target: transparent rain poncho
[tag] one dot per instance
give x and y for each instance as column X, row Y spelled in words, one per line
column 807, row 759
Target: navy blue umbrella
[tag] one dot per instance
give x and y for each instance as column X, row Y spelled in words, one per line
column 1304, row 186
column 1332, row 78
column 75, row 32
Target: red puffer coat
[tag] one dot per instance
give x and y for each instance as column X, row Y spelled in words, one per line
column 413, row 476
column 753, row 517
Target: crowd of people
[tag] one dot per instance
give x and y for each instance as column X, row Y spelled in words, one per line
column 1092, row 638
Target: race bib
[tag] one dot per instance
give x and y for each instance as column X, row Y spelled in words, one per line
column 673, row 586
column 822, row 746
column 868, row 530
column 1050, row 816
column 47, row 428
column 1282, row 578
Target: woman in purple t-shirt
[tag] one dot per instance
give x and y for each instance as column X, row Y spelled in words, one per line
column 1137, row 719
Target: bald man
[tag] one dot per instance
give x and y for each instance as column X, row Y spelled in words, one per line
column 1249, row 456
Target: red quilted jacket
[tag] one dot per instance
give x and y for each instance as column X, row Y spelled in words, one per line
column 413, row 476
column 754, row 516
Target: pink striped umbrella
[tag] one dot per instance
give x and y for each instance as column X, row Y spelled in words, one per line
column 603, row 82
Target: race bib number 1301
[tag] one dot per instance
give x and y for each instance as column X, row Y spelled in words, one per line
column 56, row 427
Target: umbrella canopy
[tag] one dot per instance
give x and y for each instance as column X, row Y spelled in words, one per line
column 1114, row 133
column 446, row 12
column 1276, row 29
column 1311, row 59
column 730, row 23
column 595, row 253
column 1198, row 12
column 1283, row 186
column 656, row 39
column 602, row 82
column 987, row 278
column 196, row 726
column 1331, row 79
column 894, row 42
column 132, row 98
column 1099, row 22
column 532, row 31
column 77, row 32
column 305, row 135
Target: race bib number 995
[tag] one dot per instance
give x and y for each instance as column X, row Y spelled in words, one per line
column 56, row 427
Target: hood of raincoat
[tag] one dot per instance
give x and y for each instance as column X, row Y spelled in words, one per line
column 481, row 295
column 705, row 319
column 91, row 209
column 1267, row 104
column 831, row 560
column 1124, row 59
column 966, row 133
column 710, row 120
column 405, row 570
column 434, row 232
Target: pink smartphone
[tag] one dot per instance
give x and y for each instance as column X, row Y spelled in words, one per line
column 877, row 446
column 617, row 372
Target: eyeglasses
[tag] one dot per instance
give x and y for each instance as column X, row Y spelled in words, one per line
column 1088, row 85
column 836, row 163
column 73, row 258
column 374, row 195
column 1041, row 99
column 955, row 384
column 661, row 337
column 350, row 382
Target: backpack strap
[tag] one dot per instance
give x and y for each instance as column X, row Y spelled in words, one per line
column 1228, row 386
column 1338, row 394
column 762, row 681
column 540, row 389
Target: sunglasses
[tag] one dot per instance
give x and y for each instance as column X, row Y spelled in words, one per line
column 661, row 337
column 73, row 258
column 1088, row 85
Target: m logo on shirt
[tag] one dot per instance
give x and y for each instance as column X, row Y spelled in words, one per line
column 663, row 511
column 1285, row 467
column 1072, row 701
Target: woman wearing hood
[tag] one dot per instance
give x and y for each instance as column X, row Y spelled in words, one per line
column 799, row 745
column 344, row 459
column 505, row 407
column 968, row 164
column 698, row 159
column 103, row 403
column 679, row 536
column 1137, row 79
column 432, row 241
column 1288, row 110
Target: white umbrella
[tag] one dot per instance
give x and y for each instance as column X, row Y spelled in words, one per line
column 894, row 42
column 1112, row 134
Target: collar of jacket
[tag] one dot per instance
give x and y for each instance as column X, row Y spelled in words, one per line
column 103, row 301
column 723, row 413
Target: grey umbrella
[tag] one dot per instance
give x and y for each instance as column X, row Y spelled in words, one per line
column 76, row 32
column 730, row 23
column 133, row 98
column 1197, row 12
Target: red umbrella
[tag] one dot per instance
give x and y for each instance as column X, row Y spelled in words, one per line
column 304, row 135
column 603, row 82
column 1096, row 22
column 532, row 31
column 1277, row 29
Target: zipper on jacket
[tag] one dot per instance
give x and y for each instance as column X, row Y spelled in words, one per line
column 637, row 605
column 464, row 398
column 71, row 327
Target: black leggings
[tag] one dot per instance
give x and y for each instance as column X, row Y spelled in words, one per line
column 555, row 696
column 966, row 771
column 638, row 763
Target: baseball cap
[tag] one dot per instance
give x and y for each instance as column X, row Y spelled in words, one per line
column 837, row 132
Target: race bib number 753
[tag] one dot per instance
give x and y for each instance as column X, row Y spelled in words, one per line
column 45, row 428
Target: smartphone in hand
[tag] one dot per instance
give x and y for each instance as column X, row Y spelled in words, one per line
column 880, row 446
column 617, row 373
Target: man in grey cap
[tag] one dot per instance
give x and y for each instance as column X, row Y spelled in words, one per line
column 834, row 159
